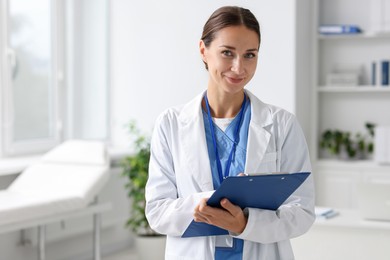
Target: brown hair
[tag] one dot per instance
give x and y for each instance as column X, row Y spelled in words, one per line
column 228, row 16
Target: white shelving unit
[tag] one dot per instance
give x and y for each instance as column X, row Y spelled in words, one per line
column 353, row 89
column 346, row 108
column 360, row 36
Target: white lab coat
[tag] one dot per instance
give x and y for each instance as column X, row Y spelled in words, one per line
column 180, row 175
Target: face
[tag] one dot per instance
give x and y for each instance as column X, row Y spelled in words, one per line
column 231, row 58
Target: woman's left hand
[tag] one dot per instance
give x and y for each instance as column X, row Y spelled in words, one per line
column 230, row 217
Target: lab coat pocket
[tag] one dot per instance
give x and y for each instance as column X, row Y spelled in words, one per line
column 268, row 163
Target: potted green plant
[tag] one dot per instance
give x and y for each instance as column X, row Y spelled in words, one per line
column 345, row 145
column 135, row 169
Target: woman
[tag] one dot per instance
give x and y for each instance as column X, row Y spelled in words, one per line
column 226, row 131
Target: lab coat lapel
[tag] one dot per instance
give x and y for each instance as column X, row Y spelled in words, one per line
column 258, row 136
column 195, row 145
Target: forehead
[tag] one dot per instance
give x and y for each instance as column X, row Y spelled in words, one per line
column 236, row 36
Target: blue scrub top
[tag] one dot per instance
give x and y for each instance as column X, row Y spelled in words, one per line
column 224, row 143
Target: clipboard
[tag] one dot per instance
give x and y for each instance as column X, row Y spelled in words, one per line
column 267, row 191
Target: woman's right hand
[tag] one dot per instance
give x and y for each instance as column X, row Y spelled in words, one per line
column 229, row 217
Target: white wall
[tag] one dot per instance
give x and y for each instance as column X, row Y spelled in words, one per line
column 87, row 69
column 155, row 61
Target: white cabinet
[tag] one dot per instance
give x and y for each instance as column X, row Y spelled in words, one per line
column 337, row 188
column 344, row 237
column 346, row 108
column 336, row 181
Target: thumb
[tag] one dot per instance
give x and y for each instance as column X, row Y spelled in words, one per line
column 233, row 209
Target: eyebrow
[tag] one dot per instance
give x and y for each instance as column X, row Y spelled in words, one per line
column 233, row 48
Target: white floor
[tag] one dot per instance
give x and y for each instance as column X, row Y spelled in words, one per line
column 124, row 255
column 157, row 243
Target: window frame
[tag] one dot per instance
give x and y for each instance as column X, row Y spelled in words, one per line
column 65, row 78
column 10, row 147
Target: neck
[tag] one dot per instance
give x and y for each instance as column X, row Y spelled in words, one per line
column 224, row 105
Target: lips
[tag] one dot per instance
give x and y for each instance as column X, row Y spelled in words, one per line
column 234, row 80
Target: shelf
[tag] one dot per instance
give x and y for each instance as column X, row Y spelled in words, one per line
column 367, row 35
column 351, row 164
column 350, row 218
column 353, row 89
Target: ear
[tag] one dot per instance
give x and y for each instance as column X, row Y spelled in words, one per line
column 202, row 50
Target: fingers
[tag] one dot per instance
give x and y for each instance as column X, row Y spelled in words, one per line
column 200, row 218
column 229, row 217
column 239, row 221
column 233, row 209
column 207, row 214
column 201, row 212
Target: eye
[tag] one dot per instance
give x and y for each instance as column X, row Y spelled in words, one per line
column 227, row 53
column 250, row 55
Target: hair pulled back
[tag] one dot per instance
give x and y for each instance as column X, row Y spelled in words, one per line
column 229, row 16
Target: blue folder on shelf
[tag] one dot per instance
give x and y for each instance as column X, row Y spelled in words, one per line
column 267, row 191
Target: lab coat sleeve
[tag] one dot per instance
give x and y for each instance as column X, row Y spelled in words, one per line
column 166, row 212
column 296, row 215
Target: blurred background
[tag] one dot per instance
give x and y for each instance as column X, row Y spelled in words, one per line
column 83, row 69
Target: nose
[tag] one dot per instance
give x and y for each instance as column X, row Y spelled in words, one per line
column 237, row 66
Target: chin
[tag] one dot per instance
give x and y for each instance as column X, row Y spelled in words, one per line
column 234, row 89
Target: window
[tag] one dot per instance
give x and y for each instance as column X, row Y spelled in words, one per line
column 30, row 84
column 54, row 80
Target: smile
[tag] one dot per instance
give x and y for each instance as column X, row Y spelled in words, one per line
column 234, row 80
